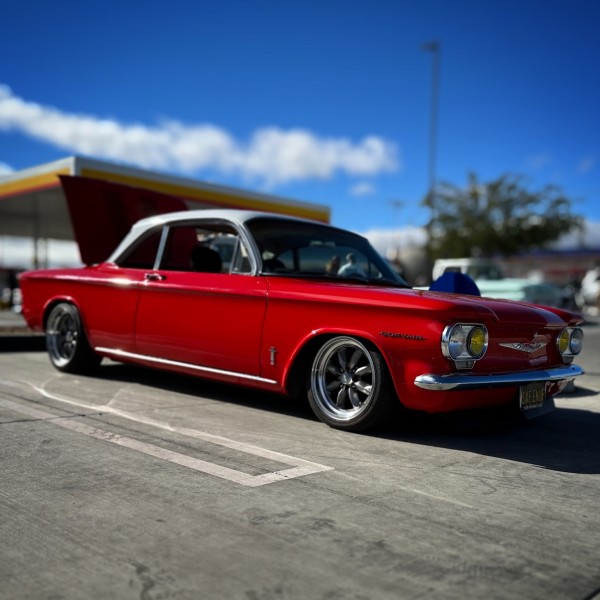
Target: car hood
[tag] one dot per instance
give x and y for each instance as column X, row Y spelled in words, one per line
column 446, row 306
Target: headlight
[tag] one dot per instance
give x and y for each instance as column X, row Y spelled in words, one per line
column 570, row 342
column 477, row 342
column 464, row 343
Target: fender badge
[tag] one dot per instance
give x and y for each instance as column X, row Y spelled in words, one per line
column 532, row 347
column 404, row 336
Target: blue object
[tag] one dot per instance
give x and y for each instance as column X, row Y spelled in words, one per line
column 456, row 283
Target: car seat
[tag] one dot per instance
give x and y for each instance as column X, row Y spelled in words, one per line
column 205, row 260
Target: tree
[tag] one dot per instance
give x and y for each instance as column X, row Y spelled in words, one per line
column 499, row 217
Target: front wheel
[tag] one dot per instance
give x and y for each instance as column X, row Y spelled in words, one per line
column 350, row 387
column 67, row 344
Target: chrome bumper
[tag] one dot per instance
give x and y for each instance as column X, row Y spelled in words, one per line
column 469, row 381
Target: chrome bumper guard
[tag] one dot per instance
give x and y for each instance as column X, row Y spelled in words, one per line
column 469, row 381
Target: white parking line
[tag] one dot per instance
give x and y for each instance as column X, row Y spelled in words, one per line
column 434, row 497
column 299, row 467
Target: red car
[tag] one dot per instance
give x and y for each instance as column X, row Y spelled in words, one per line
column 295, row 306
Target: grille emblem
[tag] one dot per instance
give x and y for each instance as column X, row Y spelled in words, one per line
column 531, row 347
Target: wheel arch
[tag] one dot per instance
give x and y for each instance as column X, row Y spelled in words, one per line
column 60, row 300
column 66, row 300
column 66, row 338
column 294, row 380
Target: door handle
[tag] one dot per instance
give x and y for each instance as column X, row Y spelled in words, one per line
column 154, row 277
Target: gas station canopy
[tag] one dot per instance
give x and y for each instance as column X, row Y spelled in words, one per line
column 34, row 204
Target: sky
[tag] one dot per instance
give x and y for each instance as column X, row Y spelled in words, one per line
column 325, row 101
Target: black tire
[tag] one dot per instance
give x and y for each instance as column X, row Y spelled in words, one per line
column 350, row 387
column 66, row 342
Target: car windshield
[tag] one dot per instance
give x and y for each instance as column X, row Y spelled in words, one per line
column 312, row 250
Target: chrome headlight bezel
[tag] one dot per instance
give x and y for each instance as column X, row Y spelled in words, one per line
column 569, row 343
column 462, row 343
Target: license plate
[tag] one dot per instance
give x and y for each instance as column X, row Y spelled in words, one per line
column 532, row 395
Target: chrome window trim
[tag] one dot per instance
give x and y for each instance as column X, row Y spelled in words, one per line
column 161, row 247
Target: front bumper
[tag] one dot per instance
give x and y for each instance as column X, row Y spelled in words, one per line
column 470, row 381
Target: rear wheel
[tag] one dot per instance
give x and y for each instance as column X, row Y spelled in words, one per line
column 67, row 344
column 350, row 387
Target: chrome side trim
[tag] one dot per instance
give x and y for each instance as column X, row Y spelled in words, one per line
column 469, row 381
column 174, row 363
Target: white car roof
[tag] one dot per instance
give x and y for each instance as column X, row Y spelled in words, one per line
column 235, row 216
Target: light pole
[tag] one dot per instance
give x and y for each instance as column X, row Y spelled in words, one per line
column 434, row 48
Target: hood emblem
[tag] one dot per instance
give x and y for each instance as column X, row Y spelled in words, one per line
column 531, row 347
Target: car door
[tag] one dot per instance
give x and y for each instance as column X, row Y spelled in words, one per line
column 211, row 318
column 108, row 295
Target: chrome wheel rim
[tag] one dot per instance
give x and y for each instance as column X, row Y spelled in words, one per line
column 61, row 334
column 343, row 379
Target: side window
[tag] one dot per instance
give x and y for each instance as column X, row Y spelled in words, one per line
column 240, row 259
column 143, row 254
column 206, row 248
column 177, row 254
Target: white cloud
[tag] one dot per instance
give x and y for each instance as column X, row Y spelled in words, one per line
column 587, row 164
column 538, row 162
column 5, row 169
column 272, row 155
column 386, row 241
column 586, row 239
column 362, row 188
